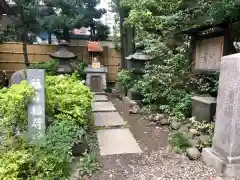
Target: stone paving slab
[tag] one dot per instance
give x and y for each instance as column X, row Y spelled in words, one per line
column 103, row 107
column 108, row 119
column 99, row 93
column 98, row 98
column 117, row 141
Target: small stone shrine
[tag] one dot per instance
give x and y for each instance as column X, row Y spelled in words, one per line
column 224, row 155
column 64, row 58
column 208, row 45
column 96, row 73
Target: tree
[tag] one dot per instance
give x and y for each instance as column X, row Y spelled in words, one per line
column 74, row 14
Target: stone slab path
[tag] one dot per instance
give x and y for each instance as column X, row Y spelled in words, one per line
column 112, row 141
column 117, row 141
column 108, row 119
column 99, row 98
column 103, row 107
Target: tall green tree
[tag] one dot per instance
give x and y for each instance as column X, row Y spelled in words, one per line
column 74, row 14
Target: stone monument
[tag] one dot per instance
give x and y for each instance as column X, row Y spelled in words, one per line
column 224, row 155
column 36, row 108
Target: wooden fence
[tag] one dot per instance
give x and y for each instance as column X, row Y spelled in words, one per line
column 12, row 59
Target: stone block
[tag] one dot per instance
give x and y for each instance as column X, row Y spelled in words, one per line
column 108, row 119
column 203, row 108
column 133, row 94
column 99, row 98
column 224, row 155
column 103, row 107
column 117, row 141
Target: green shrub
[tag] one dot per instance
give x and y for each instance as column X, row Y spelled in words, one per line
column 79, row 69
column 53, row 153
column 68, row 102
column 49, row 66
column 179, row 142
column 13, row 108
column 126, row 78
column 87, row 164
column 67, row 98
column 16, row 165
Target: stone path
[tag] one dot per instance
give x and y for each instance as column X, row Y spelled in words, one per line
column 112, row 141
column 156, row 162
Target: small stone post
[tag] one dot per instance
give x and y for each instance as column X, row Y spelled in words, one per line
column 224, row 155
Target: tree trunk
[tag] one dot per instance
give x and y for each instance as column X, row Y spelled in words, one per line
column 24, row 38
column 49, row 38
column 122, row 35
column 25, row 53
column 66, row 35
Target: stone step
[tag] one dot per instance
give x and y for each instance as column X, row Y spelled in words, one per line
column 117, row 141
column 103, row 107
column 99, row 93
column 99, row 98
column 108, row 119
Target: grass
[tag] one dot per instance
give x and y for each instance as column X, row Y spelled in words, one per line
column 179, row 142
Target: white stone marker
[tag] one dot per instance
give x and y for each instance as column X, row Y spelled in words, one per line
column 224, row 155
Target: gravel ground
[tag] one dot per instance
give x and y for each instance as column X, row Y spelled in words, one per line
column 157, row 162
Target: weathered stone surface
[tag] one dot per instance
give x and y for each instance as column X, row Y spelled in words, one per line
column 158, row 117
column 203, row 108
column 134, row 110
column 183, row 129
column 194, row 132
column 133, row 94
column 193, row 142
column 98, row 98
column 193, row 153
column 164, row 122
column 108, row 119
column 225, row 152
column 176, row 125
column 204, row 139
column 103, row 107
column 17, row 77
column 117, row 141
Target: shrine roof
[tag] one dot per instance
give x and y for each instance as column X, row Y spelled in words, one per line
column 94, row 46
column 196, row 30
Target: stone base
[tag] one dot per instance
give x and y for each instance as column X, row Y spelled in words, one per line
column 213, row 159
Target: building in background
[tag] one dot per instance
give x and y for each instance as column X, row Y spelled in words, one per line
column 108, row 18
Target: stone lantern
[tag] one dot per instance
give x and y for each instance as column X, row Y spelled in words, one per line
column 64, row 58
column 137, row 61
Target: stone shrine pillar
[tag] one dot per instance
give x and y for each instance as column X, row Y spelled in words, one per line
column 224, row 155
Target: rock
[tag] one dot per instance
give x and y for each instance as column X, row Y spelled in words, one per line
column 189, row 134
column 134, row 110
column 158, row 117
column 193, row 153
column 205, row 139
column 152, row 124
column 193, row 142
column 183, row 129
column 195, row 132
column 164, row 122
column 176, row 125
column 188, row 125
column 150, row 117
column 132, row 103
column 192, row 119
